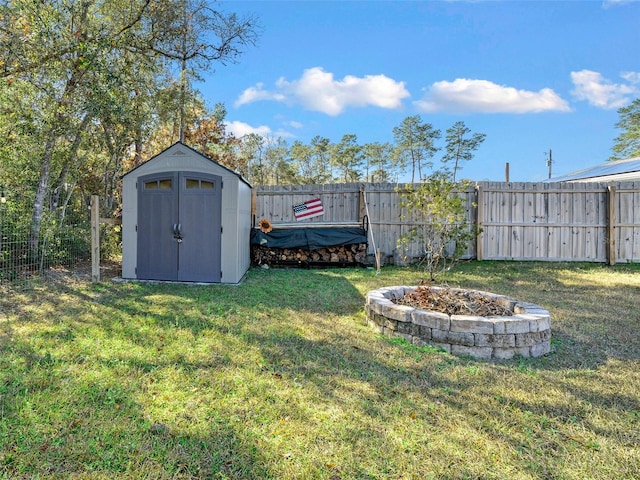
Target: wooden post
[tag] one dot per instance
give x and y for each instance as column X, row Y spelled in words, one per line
column 611, row 224
column 362, row 206
column 479, row 222
column 254, row 207
column 506, row 172
column 95, row 238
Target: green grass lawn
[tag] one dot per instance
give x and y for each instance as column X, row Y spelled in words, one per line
column 281, row 378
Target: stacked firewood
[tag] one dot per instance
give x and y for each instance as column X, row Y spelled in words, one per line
column 342, row 254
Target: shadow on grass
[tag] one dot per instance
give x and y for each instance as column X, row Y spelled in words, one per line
column 292, row 343
column 60, row 418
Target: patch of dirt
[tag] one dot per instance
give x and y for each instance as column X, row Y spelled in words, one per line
column 454, row 302
column 81, row 272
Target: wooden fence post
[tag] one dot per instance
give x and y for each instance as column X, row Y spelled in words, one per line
column 95, row 238
column 479, row 222
column 254, row 206
column 611, row 224
column 362, row 206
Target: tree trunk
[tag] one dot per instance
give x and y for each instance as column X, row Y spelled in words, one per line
column 41, row 192
column 71, row 162
column 45, row 164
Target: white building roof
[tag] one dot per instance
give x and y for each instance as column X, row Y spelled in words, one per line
column 616, row 170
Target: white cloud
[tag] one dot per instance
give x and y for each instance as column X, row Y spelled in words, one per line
column 294, row 124
column 257, row 93
column 600, row 92
column 614, row 3
column 469, row 95
column 317, row 90
column 631, row 77
column 240, row 129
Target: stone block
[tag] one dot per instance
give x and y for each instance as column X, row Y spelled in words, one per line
column 388, row 332
column 425, row 318
column 471, row 324
column 374, row 296
column 541, row 349
column 457, row 338
column 502, row 340
column 524, row 352
column 390, row 324
column 476, row 352
column 401, row 313
column 540, row 323
column 408, row 328
column 527, row 339
column 515, row 325
column 499, row 327
column 386, row 291
column 504, row 353
column 379, row 305
column 424, row 332
column 525, row 307
column 394, row 293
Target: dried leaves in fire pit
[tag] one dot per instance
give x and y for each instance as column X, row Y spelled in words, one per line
column 454, row 302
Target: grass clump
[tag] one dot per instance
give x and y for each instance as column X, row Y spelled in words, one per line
column 280, row 377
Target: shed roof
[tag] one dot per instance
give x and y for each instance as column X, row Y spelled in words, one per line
column 197, row 153
column 617, row 167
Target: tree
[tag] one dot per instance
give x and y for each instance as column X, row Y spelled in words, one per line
column 201, row 36
column 321, row 152
column 311, row 161
column 252, row 147
column 205, row 129
column 82, row 59
column 441, row 234
column 460, row 149
column 628, row 142
column 347, row 158
column 279, row 170
column 302, row 159
column 415, row 144
column 380, row 165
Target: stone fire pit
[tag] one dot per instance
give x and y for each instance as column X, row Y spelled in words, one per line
column 527, row 332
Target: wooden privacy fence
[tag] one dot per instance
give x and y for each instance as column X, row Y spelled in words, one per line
column 595, row 222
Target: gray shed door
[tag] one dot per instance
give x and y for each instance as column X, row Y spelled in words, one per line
column 179, row 227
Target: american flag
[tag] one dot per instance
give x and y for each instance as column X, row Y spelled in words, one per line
column 308, row 209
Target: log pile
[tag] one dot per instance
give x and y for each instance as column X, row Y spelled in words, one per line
column 354, row 254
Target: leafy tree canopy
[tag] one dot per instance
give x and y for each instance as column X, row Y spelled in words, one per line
column 627, row 144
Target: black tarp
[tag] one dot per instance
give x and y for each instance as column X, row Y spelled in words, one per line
column 309, row 238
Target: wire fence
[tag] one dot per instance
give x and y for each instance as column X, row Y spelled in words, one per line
column 60, row 245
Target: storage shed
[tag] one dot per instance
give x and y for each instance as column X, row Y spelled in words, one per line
column 185, row 218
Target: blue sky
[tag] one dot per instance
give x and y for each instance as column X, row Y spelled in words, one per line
column 532, row 76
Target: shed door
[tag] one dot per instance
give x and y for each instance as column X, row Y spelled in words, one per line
column 179, row 227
